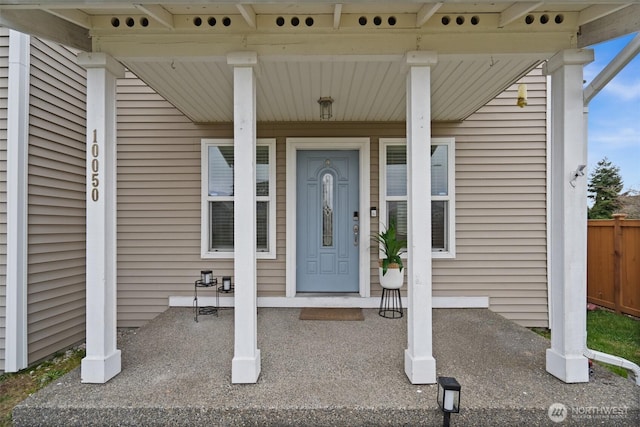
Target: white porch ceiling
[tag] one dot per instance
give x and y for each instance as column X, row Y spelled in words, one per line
column 363, row 88
column 352, row 51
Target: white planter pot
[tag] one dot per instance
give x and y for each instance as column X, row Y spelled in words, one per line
column 393, row 279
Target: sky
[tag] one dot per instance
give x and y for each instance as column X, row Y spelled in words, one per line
column 614, row 114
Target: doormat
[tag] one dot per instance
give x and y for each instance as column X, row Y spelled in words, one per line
column 313, row 313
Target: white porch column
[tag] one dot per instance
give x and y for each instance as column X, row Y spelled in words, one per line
column 419, row 364
column 16, row 352
column 102, row 361
column 568, row 257
column 246, row 358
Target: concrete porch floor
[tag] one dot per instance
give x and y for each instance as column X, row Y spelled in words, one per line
column 178, row 372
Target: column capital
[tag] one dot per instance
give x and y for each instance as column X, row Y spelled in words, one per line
column 242, row 59
column 101, row 60
column 568, row 57
column 421, row 58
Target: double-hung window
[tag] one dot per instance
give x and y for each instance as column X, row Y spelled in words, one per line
column 218, row 198
column 393, row 191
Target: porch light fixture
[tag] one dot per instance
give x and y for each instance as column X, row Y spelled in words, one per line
column 206, row 276
column 522, row 95
column 326, row 109
column 448, row 397
column 577, row 173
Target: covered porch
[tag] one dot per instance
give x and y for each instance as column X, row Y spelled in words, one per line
column 178, row 372
column 261, row 65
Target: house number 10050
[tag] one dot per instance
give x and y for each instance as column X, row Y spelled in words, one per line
column 95, row 167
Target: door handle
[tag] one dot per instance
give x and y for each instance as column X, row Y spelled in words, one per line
column 356, row 231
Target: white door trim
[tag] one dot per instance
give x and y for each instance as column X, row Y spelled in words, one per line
column 362, row 146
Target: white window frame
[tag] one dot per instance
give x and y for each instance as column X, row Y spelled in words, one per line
column 450, row 197
column 205, row 253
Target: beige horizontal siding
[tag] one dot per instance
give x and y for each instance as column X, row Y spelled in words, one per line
column 501, row 206
column 158, row 204
column 4, row 72
column 56, row 266
column 500, row 184
column 159, row 200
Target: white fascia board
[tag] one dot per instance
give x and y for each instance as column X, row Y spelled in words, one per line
column 47, row 26
column 122, row 3
column 624, row 21
column 76, row 17
column 598, row 11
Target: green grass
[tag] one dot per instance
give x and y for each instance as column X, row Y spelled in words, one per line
column 615, row 334
column 610, row 333
column 545, row 332
column 15, row 387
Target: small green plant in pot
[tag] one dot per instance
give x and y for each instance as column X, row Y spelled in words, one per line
column 391, row 265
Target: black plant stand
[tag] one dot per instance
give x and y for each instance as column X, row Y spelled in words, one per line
column 391, row 304
column 209, row 309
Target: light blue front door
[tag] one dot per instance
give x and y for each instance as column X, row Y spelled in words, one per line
column 327, row 225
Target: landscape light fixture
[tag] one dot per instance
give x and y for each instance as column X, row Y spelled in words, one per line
column 577, row 173
column 448, row 397
column 326, row 107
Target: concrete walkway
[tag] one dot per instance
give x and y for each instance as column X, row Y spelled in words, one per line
column 178, row 372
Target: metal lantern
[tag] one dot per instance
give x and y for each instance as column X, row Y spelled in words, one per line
column 326, row 110
column 206, row 276
column 226, row 283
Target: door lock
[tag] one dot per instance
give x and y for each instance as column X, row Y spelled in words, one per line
column 356, row 231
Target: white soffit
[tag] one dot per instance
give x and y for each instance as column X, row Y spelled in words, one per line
column 363, row 88
column 372, row 88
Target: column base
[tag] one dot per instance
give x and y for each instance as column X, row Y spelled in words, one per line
column 420, row 370
column 570, row 369
column 99, row 370
column 245, row 370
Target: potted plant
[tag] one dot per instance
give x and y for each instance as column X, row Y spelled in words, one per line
column 391, row 275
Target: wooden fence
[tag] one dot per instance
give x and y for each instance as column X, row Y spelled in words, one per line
column 613, row 264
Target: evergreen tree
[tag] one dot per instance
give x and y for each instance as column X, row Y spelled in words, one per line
column 604, row 187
